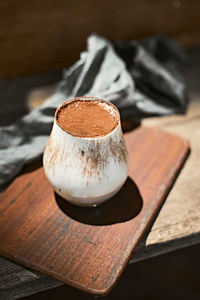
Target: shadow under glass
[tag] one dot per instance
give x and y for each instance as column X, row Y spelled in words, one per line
column 124, row 206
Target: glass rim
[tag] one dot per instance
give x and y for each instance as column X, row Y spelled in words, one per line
column 86, row 99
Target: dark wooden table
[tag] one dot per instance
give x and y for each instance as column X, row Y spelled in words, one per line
column 178, row 222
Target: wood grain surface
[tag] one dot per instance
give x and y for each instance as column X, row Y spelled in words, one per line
column 45, row 35
column 178, row 222
column 88, row 248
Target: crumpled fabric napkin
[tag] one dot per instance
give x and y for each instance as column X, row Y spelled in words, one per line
column 140, row 77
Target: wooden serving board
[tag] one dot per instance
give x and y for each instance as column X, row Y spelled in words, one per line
column 88, row 248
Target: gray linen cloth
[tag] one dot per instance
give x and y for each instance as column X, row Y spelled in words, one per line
column 140, row 77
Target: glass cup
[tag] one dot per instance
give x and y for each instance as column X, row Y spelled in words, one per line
column 86, row 171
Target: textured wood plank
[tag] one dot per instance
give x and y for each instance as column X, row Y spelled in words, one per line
column 16, row 281
column 178, row 223
column 45, row 35
column 173, row 276
column 85, row 247
column 14, row 286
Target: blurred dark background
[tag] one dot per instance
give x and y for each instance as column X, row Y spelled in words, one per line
column 40, row 36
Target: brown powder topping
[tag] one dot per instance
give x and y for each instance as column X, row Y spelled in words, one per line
column 87, row 118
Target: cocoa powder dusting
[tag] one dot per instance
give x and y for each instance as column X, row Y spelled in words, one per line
column 88, row 118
